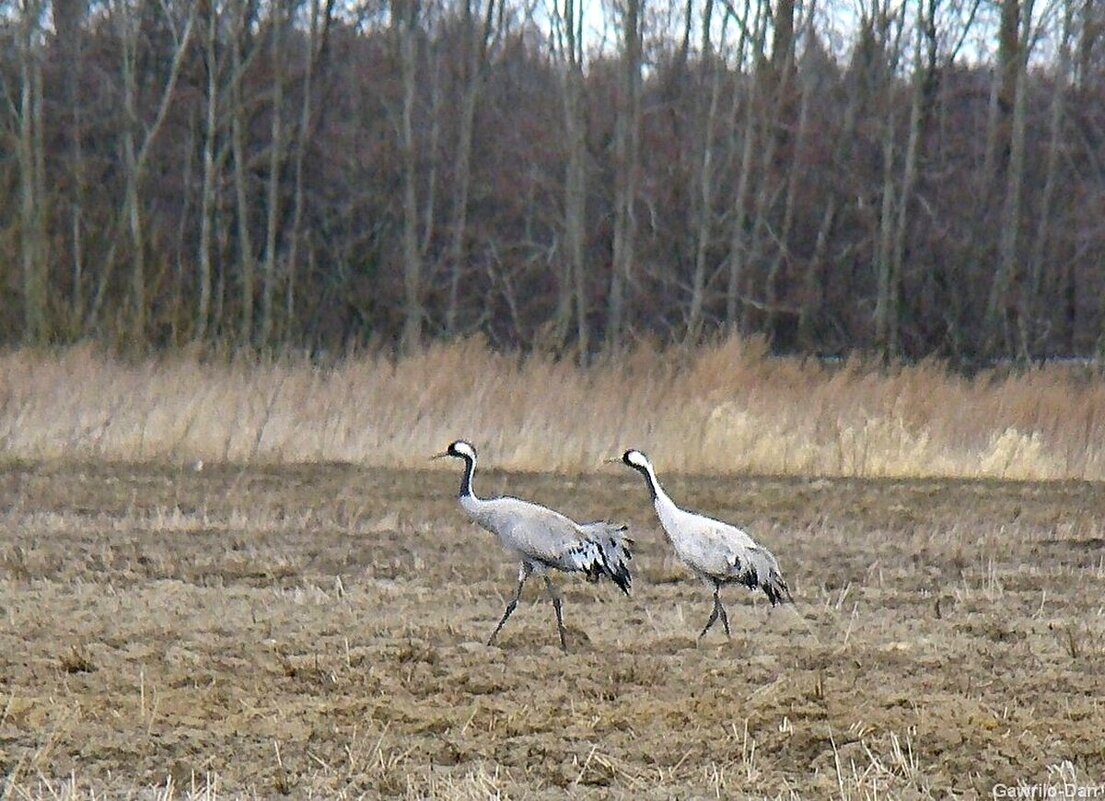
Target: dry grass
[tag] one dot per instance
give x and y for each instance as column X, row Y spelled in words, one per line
column 725, row 409
column 317, row 632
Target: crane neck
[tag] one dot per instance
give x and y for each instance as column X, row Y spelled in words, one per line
column 654, row 487
column 466, row 478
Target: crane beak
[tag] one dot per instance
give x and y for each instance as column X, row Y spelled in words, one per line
column 438, row 456
column 612, row 460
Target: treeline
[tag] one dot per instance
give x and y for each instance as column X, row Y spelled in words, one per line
column 912, row 178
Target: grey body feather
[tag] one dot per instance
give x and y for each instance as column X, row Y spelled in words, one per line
column 543, row 538
column 719, row 552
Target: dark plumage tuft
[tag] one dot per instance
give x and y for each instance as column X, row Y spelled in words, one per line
column 608, row 553
column 777, row 591
column 761, row 571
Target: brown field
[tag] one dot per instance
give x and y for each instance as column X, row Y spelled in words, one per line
column 317, row 631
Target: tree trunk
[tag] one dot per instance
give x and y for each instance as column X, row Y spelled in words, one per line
column 1093, row 23
column 765, row 196
column 886, row 299
column 432, row 150
column 135, row 157
column 909, row 175
column 889, row 281
column 314, row 51
column 782, row 45
column 279, row 18
column 137, row 334
column 572, row 292
column 1008, row 271
column 998, row 141
column 627, row 135
column 1051, row 171
column 68, row 17
column 811, row 289
column 738, row 238
column 475, row 70
column 406, row 28
column 241, row 169
column 31, row 176
column 771, row 290
column 178, row 309
column 207, row 190
column 704, row 231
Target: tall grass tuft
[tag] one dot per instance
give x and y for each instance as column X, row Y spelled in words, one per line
column 726, row 407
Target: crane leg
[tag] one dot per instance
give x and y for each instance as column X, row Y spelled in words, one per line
column 523, row 574
column 556, row 604
column 710, row 622
column 724, row 617
column 718, row 611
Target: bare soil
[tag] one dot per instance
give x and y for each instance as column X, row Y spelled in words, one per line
column 319, row 632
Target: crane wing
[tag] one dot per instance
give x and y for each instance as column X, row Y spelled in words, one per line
column 726, row 553
column 545, row 537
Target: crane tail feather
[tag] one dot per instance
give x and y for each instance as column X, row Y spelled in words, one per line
column 761, row 571
column 609, row 554
column 777, row 591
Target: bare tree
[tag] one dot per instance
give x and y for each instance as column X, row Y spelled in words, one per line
column 889, row 342
column 68, row 17
column 797, row 172
column 315, row 39
column 477, row 40
column 1008, row 269
column 782, row 45
column 243, row 21
column 747, row 136
column 889, row 279
column 32, row 181
column 279, row 18
column 1044, row 221
column 888, row 201
column 1093, row 25
column 137, row 142
column 774, row 122
column 208, row 186
column 812, row 277
column 894, row 217
column 627, row 145
column 1003, row 95
column 710, row 98
column 572, row 290
column 405, row 24
column 431, row 155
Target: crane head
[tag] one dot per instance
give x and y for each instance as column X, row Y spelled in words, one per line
column 458, row 450
column 635, row 459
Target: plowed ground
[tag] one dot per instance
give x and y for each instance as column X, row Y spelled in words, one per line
column 319, row 632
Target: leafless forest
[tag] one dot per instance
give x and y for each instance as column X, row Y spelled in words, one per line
column 912, row 178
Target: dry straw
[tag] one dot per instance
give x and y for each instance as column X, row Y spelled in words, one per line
column 725, row 408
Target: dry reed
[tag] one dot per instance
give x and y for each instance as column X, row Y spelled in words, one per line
column 727, row 408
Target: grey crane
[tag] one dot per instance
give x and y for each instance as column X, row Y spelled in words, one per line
column 717, row 552
column 543, row 539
